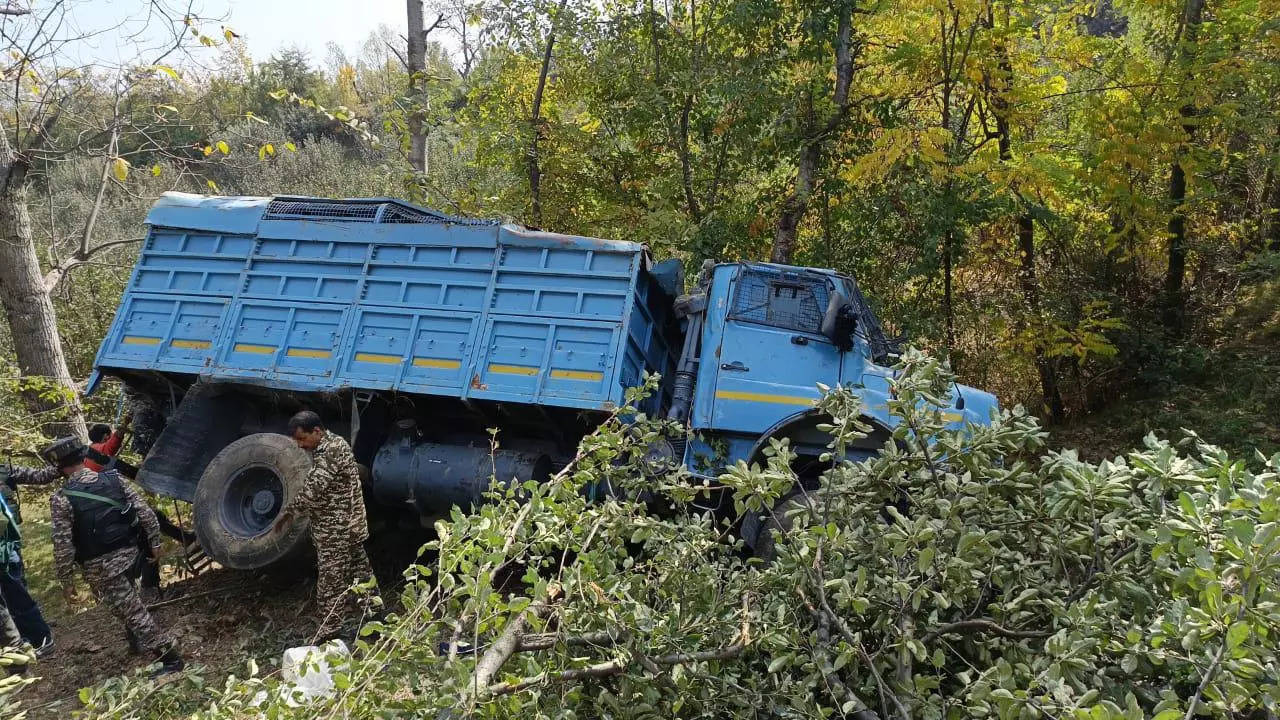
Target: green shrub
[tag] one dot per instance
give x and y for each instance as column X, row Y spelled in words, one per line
column 956, row 575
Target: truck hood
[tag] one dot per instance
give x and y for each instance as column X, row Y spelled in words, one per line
column 979, row 405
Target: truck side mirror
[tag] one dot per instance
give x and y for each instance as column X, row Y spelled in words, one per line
column 839, row 321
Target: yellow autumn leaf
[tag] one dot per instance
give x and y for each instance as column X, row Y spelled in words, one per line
column 120, row 168
column 207, row 150
column 290, row 147
column 223, row 147
column 168, row 71
column 156, row 170
column 212, row 185
column 271, row 149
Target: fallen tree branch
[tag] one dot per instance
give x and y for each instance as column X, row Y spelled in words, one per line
column 839, row 691
column 506, row 645
column 819, row 584
column 619, row 665
column 193, row 596
column 546, row 641
column 982, row 625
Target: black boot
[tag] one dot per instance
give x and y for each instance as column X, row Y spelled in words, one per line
column 170, row 662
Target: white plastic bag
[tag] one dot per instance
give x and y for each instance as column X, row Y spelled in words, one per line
column 306, row 672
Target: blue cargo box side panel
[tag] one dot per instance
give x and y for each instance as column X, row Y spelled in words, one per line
column 230, row 289
column 164, row 332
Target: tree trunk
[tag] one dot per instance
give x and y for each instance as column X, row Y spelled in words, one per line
column 1174, row 301
column 416, row 61
column 1271, row 207
column 796, row 204
column 535, row 123
column 29, row 309
column 1026, row 230
column 948, row 300
column 1046, row 368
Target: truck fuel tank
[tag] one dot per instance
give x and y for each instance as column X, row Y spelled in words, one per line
column 435, row 476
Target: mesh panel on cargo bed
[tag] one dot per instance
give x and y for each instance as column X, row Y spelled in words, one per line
column 376, row 210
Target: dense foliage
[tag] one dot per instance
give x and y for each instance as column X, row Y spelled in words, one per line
column 1071, row 201
column 1062, row 198
column 958, row 574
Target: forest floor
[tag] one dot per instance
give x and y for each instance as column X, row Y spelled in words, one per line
column 1225, row 387
column 221, row 618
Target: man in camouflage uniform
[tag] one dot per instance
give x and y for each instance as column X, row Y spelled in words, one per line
column 332, row 500
column 108, row 573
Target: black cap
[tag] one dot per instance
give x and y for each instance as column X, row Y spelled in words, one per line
column 64, row 452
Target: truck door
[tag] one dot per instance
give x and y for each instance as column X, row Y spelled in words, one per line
column 772, row 353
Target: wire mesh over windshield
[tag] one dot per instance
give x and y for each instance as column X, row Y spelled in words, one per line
column 791, row 301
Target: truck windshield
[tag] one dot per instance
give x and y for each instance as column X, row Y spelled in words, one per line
column 781, row 298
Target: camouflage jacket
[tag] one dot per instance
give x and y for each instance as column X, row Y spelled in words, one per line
column 331, row 497
column 114, row 562
column 28, row 476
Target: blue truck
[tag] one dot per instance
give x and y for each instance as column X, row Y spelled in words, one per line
column 413, row 333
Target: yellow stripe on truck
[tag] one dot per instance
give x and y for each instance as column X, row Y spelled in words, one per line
column 513, row 370
column 191, row 344
column 139, row 340
column 765, row 398
column 379, row 358
column 438, row 364
column 590, row 375
column 254, row 349
column 308, row 353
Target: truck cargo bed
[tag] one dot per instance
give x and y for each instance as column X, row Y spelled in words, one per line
column 309, row 294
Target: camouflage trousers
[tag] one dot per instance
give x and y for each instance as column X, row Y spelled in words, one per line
column 340, row 563
column 120, row 594
column 9, row 636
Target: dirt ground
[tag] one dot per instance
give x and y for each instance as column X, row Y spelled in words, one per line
column 219, row 618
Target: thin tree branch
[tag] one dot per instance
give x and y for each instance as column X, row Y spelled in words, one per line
column 982, row 625
column 619, row 665
column 60, row 271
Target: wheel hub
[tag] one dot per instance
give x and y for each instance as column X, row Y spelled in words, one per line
column 262, row 501
column 251, row 501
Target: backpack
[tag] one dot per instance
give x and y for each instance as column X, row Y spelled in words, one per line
column 102, row 518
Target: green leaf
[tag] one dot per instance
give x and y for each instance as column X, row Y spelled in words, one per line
column 1237, row 634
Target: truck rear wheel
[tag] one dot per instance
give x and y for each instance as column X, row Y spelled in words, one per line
column 240, row 494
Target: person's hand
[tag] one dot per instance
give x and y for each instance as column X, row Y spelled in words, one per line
column 69, row 593
column 281, row 520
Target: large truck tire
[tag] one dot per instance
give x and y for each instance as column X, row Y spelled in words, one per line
column 793, row 506
column 239, row 496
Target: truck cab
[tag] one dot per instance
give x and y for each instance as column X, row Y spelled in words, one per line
column 772, row 334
